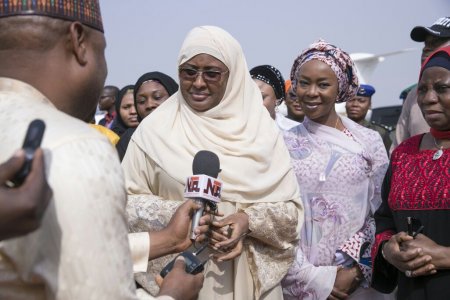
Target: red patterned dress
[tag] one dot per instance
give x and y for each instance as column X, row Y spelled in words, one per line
column 415, row 186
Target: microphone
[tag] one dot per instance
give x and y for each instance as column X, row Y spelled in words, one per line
column 203, row 186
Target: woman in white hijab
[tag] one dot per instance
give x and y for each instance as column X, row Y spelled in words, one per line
column 219, row 108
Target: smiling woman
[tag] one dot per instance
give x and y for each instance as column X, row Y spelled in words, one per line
column 339, row 165
column 317, row 90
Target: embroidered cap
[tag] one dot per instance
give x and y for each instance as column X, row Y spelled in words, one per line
column 85, row 11
column 365, row 90
column 440, row 28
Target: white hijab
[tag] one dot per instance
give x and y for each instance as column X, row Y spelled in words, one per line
column 254, row 160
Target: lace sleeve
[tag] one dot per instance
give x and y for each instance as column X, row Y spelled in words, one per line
column 271, row 243
column 145, row 210
column 274, row 224
column 149, row 212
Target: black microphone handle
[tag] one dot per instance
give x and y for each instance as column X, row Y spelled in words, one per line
column 197, row 215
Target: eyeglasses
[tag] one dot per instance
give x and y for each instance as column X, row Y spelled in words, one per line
column 207, row 75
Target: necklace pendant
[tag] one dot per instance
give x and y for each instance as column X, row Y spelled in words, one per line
column 437, row 154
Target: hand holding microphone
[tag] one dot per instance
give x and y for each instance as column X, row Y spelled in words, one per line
column 203, row 187
column 176, row 235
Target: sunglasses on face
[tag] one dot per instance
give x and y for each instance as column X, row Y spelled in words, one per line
column 207, row 75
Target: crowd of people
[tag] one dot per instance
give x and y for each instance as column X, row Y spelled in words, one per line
column 314, row 204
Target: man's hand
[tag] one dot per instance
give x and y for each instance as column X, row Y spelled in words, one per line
column 175, row 237
column 412, row 259
column 178, row 284
column 180, row 225
column 22, row 208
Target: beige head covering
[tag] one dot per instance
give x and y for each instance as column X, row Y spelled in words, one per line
column 254, row 160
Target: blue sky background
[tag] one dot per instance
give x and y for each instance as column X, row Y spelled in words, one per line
column 146, row 35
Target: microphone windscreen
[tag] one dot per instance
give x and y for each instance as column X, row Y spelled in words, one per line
column 206, row 163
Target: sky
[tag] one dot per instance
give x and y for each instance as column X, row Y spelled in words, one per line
column 146, row 35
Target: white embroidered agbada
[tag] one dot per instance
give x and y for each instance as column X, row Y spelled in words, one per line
column 256, row 173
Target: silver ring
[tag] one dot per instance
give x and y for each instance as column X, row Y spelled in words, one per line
column 408, row 273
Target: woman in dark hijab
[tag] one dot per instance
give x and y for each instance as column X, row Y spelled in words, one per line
column 271, row 83
column 150, row 90
column 126, row 116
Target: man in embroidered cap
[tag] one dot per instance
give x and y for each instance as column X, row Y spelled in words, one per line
column 357, row 109
column 411, row 121
column 52, row 67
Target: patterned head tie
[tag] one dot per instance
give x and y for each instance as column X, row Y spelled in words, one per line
column 338, row 60
column 84, row 11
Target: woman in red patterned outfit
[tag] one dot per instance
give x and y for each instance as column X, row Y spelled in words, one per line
column 413, row 242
